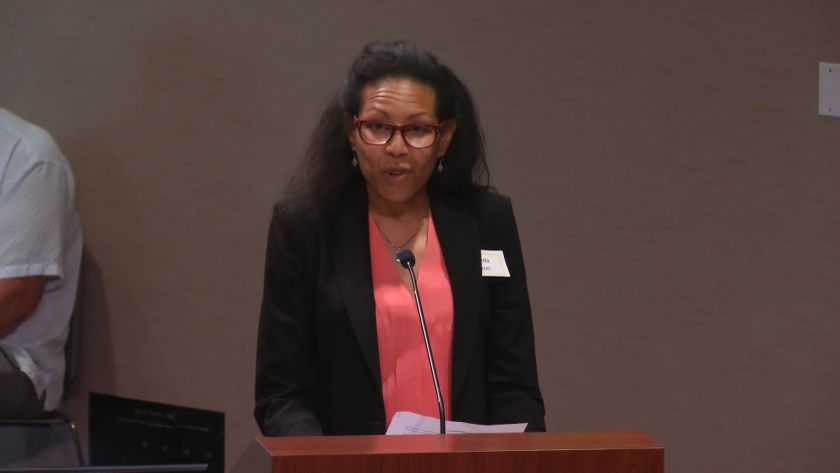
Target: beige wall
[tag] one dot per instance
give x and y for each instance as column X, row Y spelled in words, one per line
column 676, row 192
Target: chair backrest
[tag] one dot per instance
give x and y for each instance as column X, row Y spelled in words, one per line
column 73, row 345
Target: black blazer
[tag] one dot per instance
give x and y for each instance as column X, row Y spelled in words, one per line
column 317, row 350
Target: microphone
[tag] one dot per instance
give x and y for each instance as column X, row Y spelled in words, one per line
column 406, row 259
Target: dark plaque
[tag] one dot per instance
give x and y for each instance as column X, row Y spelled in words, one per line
column 127, row 432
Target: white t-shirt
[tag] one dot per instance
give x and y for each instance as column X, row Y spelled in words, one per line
column 40, row 235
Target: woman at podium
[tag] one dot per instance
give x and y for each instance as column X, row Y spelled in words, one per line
column 395, row 163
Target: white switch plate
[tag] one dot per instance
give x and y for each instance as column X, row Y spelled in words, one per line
column 829, row 89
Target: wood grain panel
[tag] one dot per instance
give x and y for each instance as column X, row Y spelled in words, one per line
column 616, row 452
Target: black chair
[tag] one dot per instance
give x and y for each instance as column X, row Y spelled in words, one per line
column 71, row 372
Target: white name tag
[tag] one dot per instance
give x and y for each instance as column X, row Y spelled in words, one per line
column 493, row 264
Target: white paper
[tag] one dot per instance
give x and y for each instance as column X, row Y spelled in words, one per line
column 493, row 264
column 409, row 423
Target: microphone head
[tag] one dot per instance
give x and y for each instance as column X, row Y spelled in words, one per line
column 405, row 258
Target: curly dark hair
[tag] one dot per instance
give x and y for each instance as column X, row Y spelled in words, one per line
column 326, row 170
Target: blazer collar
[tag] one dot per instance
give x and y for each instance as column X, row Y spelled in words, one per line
column 351, row 253
column 460, row 242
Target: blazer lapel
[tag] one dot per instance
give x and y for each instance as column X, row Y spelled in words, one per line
column 459, row 236
column 351, row 253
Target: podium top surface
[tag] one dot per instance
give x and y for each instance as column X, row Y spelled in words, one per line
column 519, row 442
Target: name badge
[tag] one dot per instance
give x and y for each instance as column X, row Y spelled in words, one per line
column 493, row 264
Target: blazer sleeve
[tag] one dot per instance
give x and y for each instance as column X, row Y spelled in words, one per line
column 513, row 388
column 286, row 374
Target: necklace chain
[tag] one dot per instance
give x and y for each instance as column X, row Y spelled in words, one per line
column 400, row 247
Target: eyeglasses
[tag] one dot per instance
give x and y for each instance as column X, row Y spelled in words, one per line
column 415, row 135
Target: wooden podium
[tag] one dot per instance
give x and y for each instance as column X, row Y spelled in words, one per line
column 595, row 452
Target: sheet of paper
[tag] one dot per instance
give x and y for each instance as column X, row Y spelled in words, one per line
column 409, row 423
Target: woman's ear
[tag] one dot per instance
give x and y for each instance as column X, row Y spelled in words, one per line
column 350, row 129
column 446, row 136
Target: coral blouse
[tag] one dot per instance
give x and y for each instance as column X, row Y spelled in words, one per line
column 407, row 383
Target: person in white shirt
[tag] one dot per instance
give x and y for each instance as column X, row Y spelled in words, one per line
column 40, row 257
